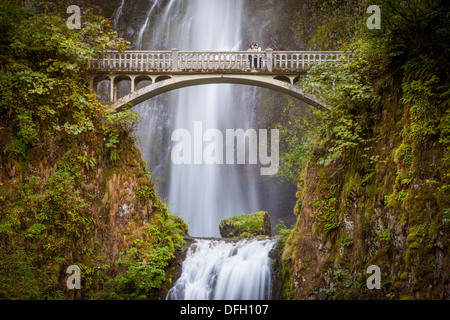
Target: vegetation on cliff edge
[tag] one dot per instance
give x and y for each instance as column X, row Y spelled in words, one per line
column 74, row 189
column 375, row 185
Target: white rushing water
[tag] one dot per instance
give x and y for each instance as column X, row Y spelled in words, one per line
column 145, row 25
column 221, row 270
column 117, row 14
column 201, row 194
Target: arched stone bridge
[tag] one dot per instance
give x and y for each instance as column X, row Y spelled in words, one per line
column 154, row 72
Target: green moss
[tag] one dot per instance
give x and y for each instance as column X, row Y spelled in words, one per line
column 352, row 182
column 414, row 245
column 256, row 224
column 411, row 237
column 246, row 234
column 404, row 276
column 403, row 154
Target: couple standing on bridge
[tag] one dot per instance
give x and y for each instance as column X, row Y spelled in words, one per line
column 254, row 47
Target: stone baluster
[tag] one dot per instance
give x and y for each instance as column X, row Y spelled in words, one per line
column 176, row 61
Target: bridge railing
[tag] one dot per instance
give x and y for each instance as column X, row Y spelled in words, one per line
column 214, row 61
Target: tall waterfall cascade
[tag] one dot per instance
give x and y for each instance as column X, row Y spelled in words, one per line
column 202, row 194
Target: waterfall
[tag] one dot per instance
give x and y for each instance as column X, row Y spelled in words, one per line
column 144, row 26
column 201, row 194
column 204, row 194
column 117, row 14
column 225, row 270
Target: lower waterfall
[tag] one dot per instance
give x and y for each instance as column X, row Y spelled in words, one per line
column 225, row 270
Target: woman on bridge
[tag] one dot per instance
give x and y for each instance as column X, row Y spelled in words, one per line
column 252, row 48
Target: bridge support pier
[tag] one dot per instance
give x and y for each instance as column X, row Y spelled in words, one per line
column 111, row 89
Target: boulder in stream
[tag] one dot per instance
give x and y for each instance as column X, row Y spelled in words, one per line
column 247, row 225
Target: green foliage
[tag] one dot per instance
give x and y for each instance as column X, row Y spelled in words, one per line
column 44, row 76
column 326, row 25
column 385, row 145
column 56, row 137
column 294, row 158
column 346, row 137
column 115, row 122
column 89, row 163
column 347, row 242
column 403, row 154
column 38, row 224
column 345, row 285
column 414, row 35
column 347, row 89
column 446, row 216
column 282, row 231
column 385, row 235
column 425, row 114
column 145, row 192
column 326, row 215
column 144, row 273
column 296, row 125
column 142, row 268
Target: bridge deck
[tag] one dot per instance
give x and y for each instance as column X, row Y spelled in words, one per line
column 175, row 61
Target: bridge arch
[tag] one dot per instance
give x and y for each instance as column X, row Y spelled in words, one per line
column 162, row 78
column 143, row 78
column 122, row 81
column 173, row 82
column 283, row 78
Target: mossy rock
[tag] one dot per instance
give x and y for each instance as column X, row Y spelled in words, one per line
column 253, row 224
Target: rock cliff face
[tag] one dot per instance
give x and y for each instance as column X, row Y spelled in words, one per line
column 247, row 225
column 125, row 218
column 347, row 222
